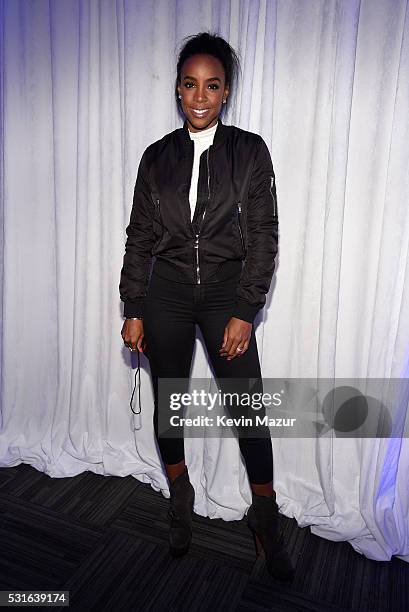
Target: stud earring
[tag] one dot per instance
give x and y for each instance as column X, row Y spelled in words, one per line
column 180, row 97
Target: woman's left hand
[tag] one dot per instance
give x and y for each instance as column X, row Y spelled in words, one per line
column 236, row 338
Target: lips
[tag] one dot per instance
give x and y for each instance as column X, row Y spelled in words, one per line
column 199, row 113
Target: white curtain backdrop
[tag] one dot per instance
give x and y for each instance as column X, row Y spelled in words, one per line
column 86, row 86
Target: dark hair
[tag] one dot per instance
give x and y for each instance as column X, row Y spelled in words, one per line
column 215, row 45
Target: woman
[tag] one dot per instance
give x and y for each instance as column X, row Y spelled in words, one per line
column 205, row 206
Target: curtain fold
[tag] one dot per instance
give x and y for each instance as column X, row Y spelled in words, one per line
column 86, row 86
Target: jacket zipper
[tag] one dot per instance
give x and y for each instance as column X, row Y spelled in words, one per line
column 159, row 221
column 196, row 243
column 273, row 196
column 240, row 230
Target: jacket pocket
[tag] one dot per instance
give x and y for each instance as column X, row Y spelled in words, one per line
column 240, row 228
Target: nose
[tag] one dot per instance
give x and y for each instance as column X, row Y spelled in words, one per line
column 200, row 93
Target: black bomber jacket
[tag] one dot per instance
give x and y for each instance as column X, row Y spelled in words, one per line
column 234, row 227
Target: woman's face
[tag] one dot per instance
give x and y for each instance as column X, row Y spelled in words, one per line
column 202, row 88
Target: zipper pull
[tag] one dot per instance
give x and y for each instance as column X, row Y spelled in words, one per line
column 239, row 206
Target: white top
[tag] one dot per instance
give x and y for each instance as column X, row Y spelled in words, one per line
column 202, row 140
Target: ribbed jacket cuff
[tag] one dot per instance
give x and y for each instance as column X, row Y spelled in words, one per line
column 245, row 311
column 134, row 309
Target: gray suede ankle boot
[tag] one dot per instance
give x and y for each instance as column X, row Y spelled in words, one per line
column 182, row 496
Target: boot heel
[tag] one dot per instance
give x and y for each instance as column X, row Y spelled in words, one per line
column 257, row 544
column 252, row 526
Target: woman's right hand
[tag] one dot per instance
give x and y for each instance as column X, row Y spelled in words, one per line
column 133, row 334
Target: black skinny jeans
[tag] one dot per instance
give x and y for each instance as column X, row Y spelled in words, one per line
column 172, row 310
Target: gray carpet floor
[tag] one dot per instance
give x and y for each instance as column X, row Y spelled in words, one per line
column 104, row 539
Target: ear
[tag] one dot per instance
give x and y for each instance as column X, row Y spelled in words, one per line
column 226, row 93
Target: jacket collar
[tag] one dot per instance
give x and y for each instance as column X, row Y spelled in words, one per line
column 186, row 143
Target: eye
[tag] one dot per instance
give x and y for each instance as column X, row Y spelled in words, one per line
column 212, row 86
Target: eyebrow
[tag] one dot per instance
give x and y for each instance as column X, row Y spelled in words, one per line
column 211, row 79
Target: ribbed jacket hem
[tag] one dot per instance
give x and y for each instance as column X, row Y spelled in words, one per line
column 228, row 269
